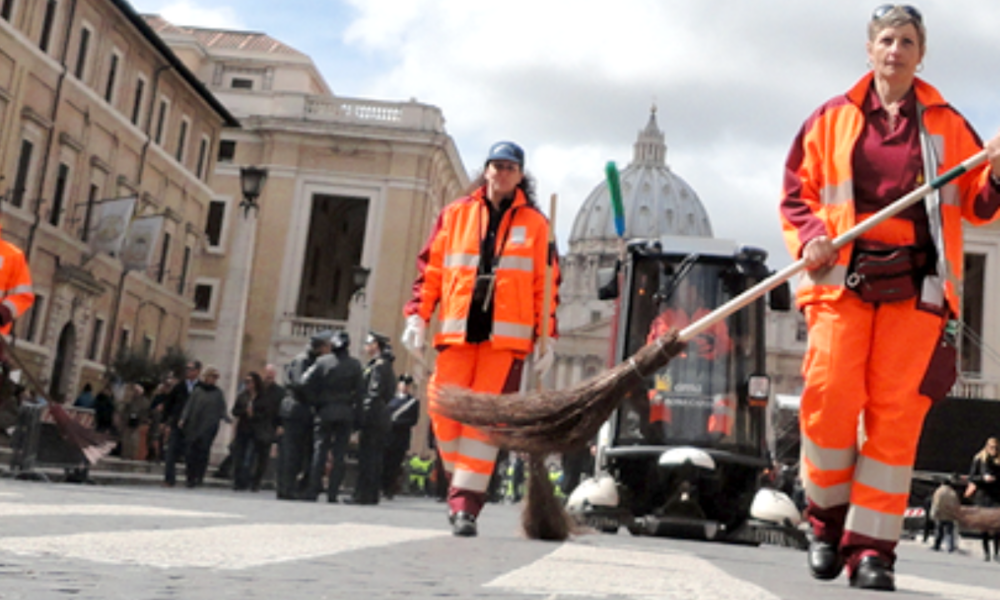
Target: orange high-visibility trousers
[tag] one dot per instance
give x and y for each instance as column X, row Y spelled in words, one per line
column 864, row 361
column 468, row 455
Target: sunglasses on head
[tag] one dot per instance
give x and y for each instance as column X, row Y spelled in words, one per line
column 885, row 9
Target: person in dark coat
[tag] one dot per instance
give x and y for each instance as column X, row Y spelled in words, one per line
column 404, row 412
column 334, row 385
column 199, row 421
column 984, row 487
column 380, row 386
column 243, row 444
column 173, row 407
column 295, row 417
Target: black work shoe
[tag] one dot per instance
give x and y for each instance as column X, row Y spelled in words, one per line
column 872, row 573
column 463, row 524
column 825, row 561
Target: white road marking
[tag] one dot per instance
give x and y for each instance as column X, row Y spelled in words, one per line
column 581, row 570
column 223, row 547
column 951, row 591
column 9, row 509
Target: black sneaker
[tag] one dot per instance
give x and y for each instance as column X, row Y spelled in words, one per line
column 873, row 573
column 825, row 561
column 463, row 524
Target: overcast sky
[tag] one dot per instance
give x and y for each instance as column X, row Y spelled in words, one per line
column 573, row 80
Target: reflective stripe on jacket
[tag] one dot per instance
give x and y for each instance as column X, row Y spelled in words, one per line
column 449, row 262
column 818, row 190
column 15, row 283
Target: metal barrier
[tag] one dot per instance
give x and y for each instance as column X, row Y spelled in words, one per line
column 37, row 441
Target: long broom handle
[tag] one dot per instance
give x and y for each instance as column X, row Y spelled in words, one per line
column 701, row 325
column 543, row 339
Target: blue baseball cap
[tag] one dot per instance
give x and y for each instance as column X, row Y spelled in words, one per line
column 506, row 151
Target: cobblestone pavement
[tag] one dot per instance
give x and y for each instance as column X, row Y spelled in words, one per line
column 106, row 542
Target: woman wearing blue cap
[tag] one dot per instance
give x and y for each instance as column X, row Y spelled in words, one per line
column 484, row 265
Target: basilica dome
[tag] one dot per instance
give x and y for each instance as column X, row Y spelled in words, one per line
column 657, row 201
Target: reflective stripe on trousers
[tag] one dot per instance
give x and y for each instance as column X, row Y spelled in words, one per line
column 465, row 450
column 866, row 362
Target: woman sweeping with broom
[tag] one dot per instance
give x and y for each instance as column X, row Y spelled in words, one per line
column 877, row 309
column 484, row 266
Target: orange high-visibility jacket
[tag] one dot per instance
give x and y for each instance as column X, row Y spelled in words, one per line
column 15, row 284
column 818, row 191
column 448, row 264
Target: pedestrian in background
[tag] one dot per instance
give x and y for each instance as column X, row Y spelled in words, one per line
column 243, row 449
column 133, row 421
column 86, row 397
column 984, row 488
column 173, row 407
column 380, row 386
column 199, row 422
column 404, row 412
column 295, row 418
column 877, row 347
column 335, row 386
column 483, row 269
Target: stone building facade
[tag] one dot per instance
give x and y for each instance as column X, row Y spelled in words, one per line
column 94, row 107
column 352, row 186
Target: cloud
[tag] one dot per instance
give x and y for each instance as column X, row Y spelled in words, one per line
column 732, row 80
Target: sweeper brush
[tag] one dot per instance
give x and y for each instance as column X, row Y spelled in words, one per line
column 557, row 421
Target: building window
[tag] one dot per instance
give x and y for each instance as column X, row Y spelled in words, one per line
column 185, row 263
column 7, row 9
column 35, row 320
column 124, row 339
column 202, row 158
column 109, row 88
column 23, row 169
column 161, row 121
column 204, row 294
column 59, row 197
column 241, row 83
column 227, row 150
column 213, row 225
column 83, row 48
column 95, row 339
column 88, row 213
column 182, row 138
column 161, row 273
column 47, row 23
column 801, row 331
column 137, row 99
column 973, row 313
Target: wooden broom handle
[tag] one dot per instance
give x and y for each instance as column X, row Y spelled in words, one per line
column 543, row 338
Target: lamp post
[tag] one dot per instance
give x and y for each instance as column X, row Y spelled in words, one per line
column 251, row 183
column 235, row 302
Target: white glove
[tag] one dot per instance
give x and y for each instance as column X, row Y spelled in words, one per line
column 413, row 335
column 544, row 359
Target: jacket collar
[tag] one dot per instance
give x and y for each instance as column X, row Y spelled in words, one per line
column 927, row 95
column 519, row 198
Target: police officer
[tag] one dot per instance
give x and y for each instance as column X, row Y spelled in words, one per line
column 403, row 413
column 380, row 387
column 296, row 416
column 335, row 386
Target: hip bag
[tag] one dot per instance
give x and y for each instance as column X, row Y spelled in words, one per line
column 882, row 273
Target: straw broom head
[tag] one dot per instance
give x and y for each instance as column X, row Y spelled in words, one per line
column 556, row 421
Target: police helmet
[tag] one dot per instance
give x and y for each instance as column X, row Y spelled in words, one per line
column 341, row 340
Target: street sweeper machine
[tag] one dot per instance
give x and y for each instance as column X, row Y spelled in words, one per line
column 686, row 455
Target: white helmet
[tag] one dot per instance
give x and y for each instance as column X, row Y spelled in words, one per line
column 775, row 507
column 593, row 491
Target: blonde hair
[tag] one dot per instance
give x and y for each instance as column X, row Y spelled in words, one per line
column 898, row 16
column 984, row 454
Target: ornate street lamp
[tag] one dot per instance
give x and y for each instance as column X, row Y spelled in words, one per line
column 359, row 279
column 251, row 182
